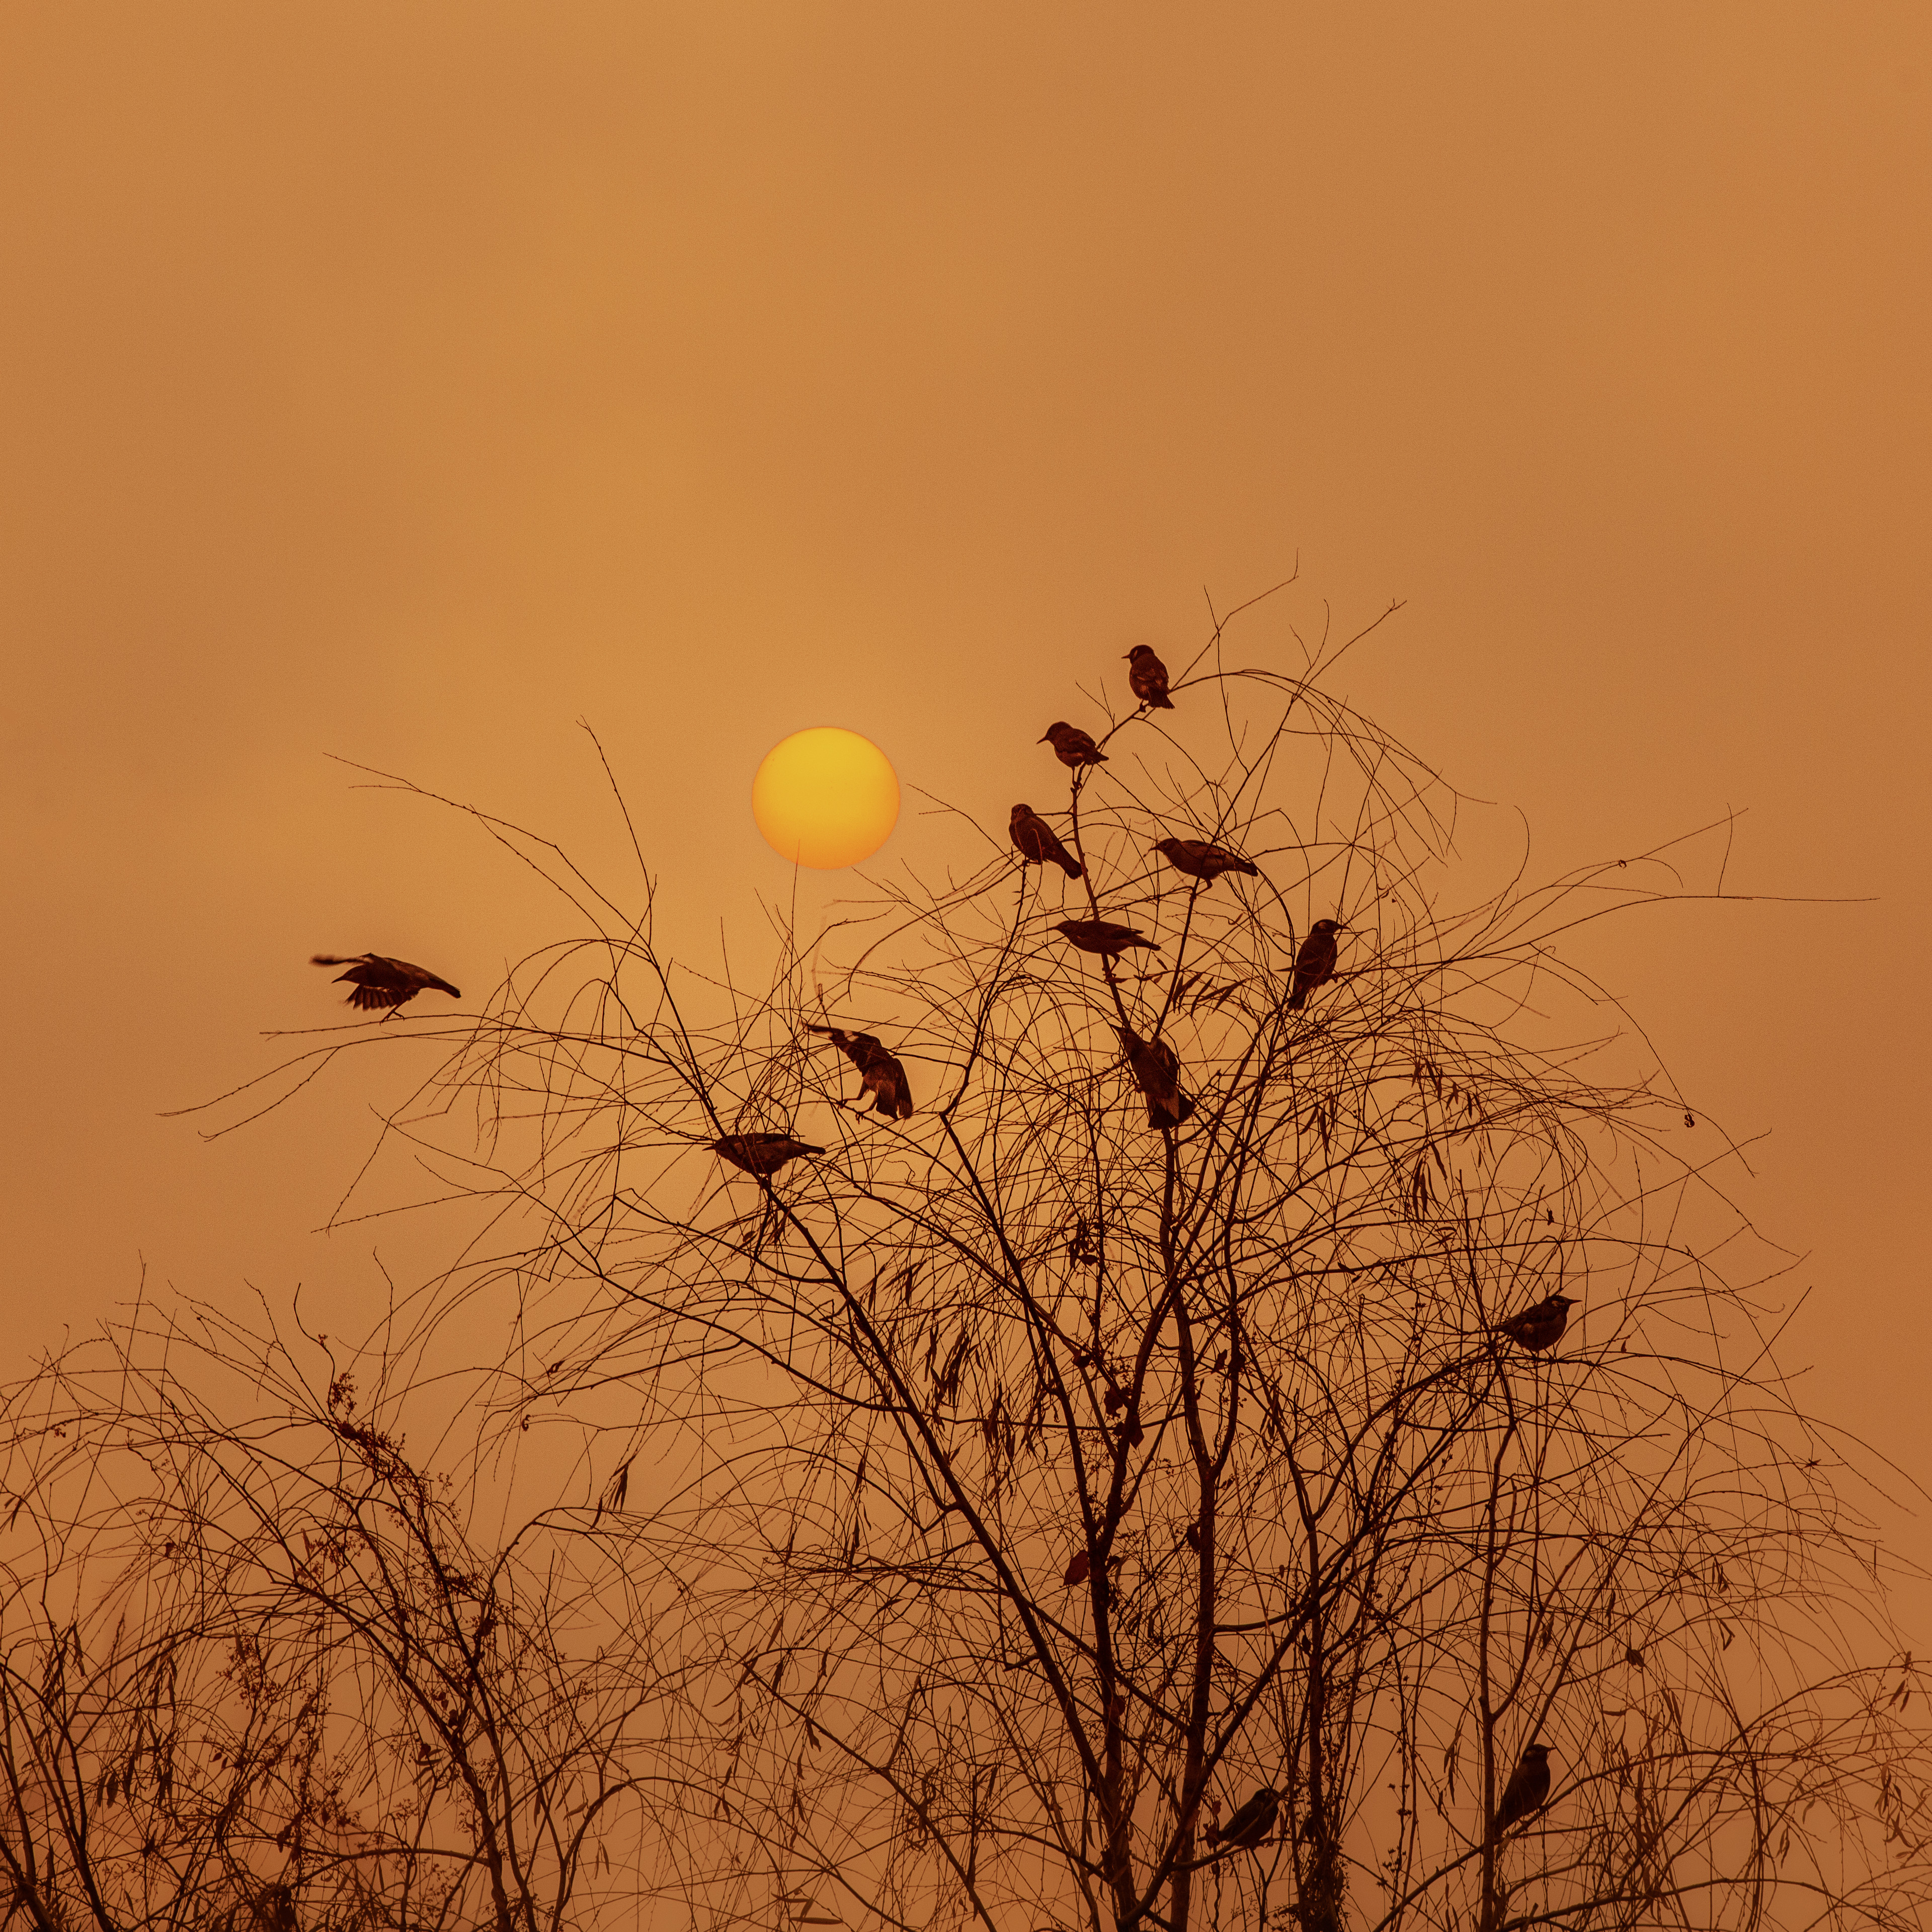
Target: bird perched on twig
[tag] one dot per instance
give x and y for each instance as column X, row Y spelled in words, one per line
column 1157, row 1074
column 1036, row 842
column 1200, row 860
column 884, row 1078
column 1147, row 677
column 761, row 1153
column 1316, row 962
column 1537, row 1327
column 1072, row 746
column 1079, row 1569
column 381, row 982
column 1527, row 1792
column 1253, row 1822
column 1103, row 936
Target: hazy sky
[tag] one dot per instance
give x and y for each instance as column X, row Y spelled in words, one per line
column 407, row 382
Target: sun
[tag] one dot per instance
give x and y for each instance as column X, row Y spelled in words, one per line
column 825, row 798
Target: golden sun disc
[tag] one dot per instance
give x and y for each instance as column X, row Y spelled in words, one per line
column 825, row 798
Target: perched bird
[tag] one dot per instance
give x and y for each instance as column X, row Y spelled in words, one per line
column 761, row 1153
column 1102, row 936
column 1539, row 1327
column 884, row 1078
column 1078, row 1570
column 274, row 1911
column 1147, row 677
column 380, row 981
column 1315, row 962
column 1200, row 860
column 1036, row 842
column 1253, row 1822
column 1157, row 1074
column 1072, row 746
column 1527, row 1791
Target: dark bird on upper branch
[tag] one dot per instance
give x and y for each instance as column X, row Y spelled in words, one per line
column 761, row 1153
column 1072, row 746
column 380, row 982
column 1254, row 1821
column 1538, row 1327
column 884, row 1078
column 1316, row 962
column 1036, row 842
column 1200, row 860
column 1527, row 1792
column 1147, row 677
column 1103, row 936
column 1157, row 1074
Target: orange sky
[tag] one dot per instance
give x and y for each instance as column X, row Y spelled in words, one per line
column 407, row 382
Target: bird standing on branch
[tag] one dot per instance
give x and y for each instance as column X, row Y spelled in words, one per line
column 1538, row 1327
column 761, row 1153
column 1072, row 746
column 1036, row 843
column 885, row 1078
column 1157, row 1074
column 1147, row 677
column 381, row 982
column 1103, row 936
column 1527, row 1792
column 1200, row 860
column 1079, row 1569
column 1253, row 1822
column 1315, row 963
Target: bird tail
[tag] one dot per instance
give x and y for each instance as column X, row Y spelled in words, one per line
column 1161, row 703
column 1073, row 865
column 1298, row 999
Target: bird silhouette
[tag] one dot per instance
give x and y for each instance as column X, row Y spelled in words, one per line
column 1537, row 1327
column 1079, row 1569
column 884, row 1078
column 761, row 1153
column 1157, row 1074
column 1315, row 961
column 1147, row 677
column 274, row 1911
column 382, row 982
column 1103, row 936
column 1072, row 746
column 1527, row 1791
column 1251, row 1823
column 1200, row 860
column 1035, row 840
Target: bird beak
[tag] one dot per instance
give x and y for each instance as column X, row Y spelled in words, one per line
column 1042, row 738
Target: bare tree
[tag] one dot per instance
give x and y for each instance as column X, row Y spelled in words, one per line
column 1121, row 1493
column 257, row 1675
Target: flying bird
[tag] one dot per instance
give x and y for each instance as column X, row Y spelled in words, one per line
column 761, row 1153
column 1147, row 677
column 1315, row 963
column 1200, row 860
column 1527, row 1791
column 1103, row 936
column 1251, row 1823
column 1538, row 1327
column 1157, row 1074
column 1072, row 746
column 1036, row 842
column 884, row 1078
column 381, row 982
